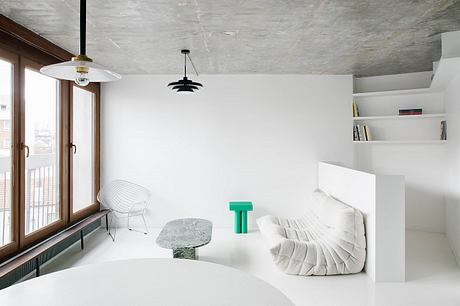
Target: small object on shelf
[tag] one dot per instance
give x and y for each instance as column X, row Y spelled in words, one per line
column 355, row 133
column 361, row 133
column 443, row 130
column 355, row 109
column 367, row 132
column 410, row 111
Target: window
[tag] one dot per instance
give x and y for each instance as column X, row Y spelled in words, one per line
column 6, row 124
column 40, row 119
column 6, row 97
column 83, row 141
column 41, row 173
column 6, row 144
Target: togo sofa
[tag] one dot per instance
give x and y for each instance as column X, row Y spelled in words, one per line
column 329, row 239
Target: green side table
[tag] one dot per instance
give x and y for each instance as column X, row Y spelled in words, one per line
column 241, row 215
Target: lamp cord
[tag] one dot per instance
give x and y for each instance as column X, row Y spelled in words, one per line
column 191, row 62
column 82, row 27
column 185, row 65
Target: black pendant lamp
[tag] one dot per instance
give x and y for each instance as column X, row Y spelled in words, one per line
column 81, row 68
column 186, row 85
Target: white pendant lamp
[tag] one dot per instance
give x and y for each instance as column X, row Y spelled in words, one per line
column 81, row 68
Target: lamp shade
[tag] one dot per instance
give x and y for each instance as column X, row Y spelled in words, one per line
column 68, row 71
column 186, row 85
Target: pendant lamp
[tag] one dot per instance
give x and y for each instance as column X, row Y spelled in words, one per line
column 186, row 85
column 81, row 68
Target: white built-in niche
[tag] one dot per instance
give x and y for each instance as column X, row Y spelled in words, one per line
column 379, row 100
column 380, row 112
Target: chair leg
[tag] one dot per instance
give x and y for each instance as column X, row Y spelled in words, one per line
column 115, row 229
column 145, row 224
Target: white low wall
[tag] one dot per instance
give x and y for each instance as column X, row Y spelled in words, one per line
column 381, row 198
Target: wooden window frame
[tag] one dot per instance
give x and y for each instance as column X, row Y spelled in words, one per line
column 28, row 239
column 14, row 244
column 93, row 207
column 25, row 48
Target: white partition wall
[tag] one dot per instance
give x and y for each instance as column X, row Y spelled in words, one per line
column 381, row 199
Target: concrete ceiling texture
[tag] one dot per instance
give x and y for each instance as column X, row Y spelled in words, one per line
column 360, row 37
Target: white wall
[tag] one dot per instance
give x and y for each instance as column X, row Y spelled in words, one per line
column 423, row 168
column 242, row 137
column 381, row 200
column 422, row 165
column 452, row 98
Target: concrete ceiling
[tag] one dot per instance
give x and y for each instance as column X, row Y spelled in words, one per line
column 361, row 37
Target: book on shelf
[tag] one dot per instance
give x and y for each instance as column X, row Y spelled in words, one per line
column 355, row 133
column 355, row 109
column 367, row 133
column 410, row 111
column 443, row 130
column 361, row 133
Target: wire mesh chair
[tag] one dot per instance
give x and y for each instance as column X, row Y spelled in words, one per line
column 124, row 199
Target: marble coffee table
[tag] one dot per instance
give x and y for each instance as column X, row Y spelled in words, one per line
column 184, row 236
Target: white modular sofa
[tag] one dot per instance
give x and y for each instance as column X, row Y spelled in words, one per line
column 329, row 239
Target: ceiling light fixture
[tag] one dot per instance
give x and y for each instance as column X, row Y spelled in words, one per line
column 185, row 85
column 81, row 68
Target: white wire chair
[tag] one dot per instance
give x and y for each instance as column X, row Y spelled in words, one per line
column 124, row 199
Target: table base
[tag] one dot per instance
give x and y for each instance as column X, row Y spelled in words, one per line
column 185, row 253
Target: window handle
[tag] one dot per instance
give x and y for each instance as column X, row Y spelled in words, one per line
column 25, row 147
column 74, row 147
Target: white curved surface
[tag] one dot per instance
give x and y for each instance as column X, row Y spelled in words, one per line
column 162, row 282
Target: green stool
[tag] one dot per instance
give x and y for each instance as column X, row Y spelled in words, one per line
column 241, row 215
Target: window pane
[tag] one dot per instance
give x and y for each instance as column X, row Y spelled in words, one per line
column 83, row 160
column 6, row 102
column 41, row 136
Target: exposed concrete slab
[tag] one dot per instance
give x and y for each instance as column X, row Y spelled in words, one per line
column 361, row 37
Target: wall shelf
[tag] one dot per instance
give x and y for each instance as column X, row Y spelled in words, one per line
column 401, row 142
column 401, row 92
column 398, row 117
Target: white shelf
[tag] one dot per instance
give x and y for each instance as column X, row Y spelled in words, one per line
column 400, row 92
column 398, row 117
column 401, row 142
column 447, row 69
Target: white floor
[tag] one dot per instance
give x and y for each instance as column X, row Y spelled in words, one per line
column 433, row 277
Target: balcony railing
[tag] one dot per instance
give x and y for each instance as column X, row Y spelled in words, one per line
column 41, row 198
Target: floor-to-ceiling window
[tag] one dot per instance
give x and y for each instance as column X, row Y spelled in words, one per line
column 41, row 141
column 6, row 137
column 84, row 172
column 49, row 148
